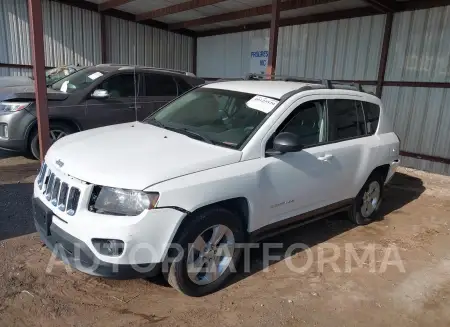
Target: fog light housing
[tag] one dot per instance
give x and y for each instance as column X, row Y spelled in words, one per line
column 4, row 131
column 112, row 248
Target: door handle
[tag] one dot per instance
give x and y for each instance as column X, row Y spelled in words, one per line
column 135, row 107
column 326, row 157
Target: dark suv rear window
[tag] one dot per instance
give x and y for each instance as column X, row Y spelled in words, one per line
column 160, row 85
column 183, row 86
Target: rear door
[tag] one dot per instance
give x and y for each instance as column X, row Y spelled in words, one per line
column 158, row 90
column 347, row 147
column 123, row 104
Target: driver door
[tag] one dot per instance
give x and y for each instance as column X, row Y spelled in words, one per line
column 122, row 105
column 298, row 183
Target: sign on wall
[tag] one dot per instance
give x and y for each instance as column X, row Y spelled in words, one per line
column 259, row 55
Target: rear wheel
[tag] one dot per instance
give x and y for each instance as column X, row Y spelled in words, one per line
column 209, row 252
column 368, row 201
column 57, row 131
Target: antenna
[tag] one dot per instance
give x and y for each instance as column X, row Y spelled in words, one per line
column 136, row 86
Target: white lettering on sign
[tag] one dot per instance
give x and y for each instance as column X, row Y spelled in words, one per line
column 262, row 103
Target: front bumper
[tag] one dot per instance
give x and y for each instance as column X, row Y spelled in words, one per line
column 146, row 237
column 77, row 254
column 18, row 124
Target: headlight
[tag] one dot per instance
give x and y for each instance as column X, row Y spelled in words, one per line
column 13, row 106
column 120, row 202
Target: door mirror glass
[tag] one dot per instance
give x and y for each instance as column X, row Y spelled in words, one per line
column 286, row 142
column 100, row 94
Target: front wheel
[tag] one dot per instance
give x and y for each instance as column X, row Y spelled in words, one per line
column 57, row 131
column 368, row 201
column 210, row 252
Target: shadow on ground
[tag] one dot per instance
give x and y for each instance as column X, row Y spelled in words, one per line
column 15, row 210
column 402, row 190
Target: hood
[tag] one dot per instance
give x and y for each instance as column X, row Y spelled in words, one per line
column 6, row 81
column 135, row 155
column 28, row 93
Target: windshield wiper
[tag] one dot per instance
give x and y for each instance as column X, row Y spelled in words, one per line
column 190, row 133
column 184, row 131
column 157, row 123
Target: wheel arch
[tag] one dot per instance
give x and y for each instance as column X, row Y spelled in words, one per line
column 238, row 205
column 33, row 127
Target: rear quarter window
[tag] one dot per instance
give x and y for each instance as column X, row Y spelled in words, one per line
column 372, row 114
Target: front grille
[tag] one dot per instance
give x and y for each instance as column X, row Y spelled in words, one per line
column 59, row 193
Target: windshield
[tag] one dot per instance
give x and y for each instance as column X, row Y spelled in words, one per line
column 77, row 81
column 216, row 116
column 55, row 74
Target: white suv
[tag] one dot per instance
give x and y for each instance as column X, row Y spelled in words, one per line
column 224, row 164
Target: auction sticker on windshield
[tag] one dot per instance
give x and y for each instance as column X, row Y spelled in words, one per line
column 262, row 103
column 95, row 75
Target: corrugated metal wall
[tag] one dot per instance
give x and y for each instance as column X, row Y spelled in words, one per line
column 421, row 118
column 344, row 49
column 420, row 52
column 71, row 35
column 131, row 43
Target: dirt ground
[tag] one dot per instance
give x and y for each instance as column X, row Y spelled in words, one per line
column 412, row 291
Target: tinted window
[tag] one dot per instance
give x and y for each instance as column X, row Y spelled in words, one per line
column 160, row 85
column 120, row 86
column 372, row 114
column 345, row 119
column 307, row 121
column 183, row 86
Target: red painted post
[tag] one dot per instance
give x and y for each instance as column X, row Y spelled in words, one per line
column 37, row 48
column 273, row 42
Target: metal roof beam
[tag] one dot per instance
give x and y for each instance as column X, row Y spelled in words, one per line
column 250, row 12
column 383, row 6
column 179, row 7
column 112, row 4
column 308, row 19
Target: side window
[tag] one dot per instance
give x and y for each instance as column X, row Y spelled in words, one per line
column 120, row 86
column 345, row 120
column 372, row 114
column 183, row 86
column 160, row 85
column 308, row 122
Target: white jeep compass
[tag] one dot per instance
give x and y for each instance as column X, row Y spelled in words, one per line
column 224, row 164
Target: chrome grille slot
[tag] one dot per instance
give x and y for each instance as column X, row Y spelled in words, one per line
column 58, row 192
column 72, row 202
column 42, row 175
column 55, row 191
column 50, row 185
column 46, row 180
column 63, row 197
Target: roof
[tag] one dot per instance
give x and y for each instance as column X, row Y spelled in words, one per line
column 273, row 89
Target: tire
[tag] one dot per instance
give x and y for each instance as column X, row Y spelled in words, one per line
column 205, row 223
column 367, row 202
column 54, row 127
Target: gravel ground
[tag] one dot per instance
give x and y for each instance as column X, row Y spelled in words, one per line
column 414, row 228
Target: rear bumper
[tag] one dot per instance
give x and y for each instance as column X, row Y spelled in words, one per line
column 392, row 169
column 78, row 255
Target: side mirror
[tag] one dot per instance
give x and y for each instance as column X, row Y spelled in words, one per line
column 284, row 143
column 100, row 94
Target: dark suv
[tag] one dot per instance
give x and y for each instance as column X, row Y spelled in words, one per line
column 93, row 97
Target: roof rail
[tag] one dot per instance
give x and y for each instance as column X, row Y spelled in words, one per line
column 329, row 84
